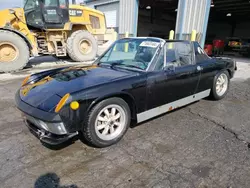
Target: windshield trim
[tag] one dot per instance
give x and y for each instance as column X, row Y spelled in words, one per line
column 158, row 50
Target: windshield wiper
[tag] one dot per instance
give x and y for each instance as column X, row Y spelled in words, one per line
column 108, row 63
column 122, row 64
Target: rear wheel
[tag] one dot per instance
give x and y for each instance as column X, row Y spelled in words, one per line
column 14, row 52
column 82, row 46
column 107, row 122
column 221, row 85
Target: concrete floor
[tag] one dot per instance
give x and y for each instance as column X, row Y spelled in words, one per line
column 203, row 145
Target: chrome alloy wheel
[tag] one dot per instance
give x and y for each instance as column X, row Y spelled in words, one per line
column 110, row 122
column 221, row 84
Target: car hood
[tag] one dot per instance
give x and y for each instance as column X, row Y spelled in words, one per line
column 47, row 92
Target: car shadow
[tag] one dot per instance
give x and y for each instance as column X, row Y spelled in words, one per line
column 51, row 180
column 62, row 145
column 68, row 143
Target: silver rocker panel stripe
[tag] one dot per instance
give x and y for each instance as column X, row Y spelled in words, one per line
column 170, row 106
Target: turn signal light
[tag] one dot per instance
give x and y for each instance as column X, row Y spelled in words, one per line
column 25, row 80
column 74, row 105
column 62, row 102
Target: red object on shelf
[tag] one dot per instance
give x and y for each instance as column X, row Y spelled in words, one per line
column 218, row 43
column 209, row 49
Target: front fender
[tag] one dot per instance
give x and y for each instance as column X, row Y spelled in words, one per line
column 117, row 94
column 86, row 105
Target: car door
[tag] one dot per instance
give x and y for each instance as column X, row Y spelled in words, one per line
column 175, row 75
column 208, row 67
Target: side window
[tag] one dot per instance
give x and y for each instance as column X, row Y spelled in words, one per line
column 184, row 53
column 95, row 22
column 200, row 54
column 62, row 3
column 33, row 13
column 178, row 54
column 30, row 4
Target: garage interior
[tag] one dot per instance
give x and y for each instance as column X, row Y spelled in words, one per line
column 157, row 17
column 229, row 21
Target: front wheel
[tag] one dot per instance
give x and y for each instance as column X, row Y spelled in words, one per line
column 221, row 85
column 107, row 122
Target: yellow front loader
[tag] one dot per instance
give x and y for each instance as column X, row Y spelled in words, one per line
column 50, row 27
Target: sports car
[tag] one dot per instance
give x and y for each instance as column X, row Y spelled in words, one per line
column 135, row 80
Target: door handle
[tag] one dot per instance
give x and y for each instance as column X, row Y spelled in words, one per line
column 199, row 68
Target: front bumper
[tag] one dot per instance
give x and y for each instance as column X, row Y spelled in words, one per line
column 48, row 137
column 52, row 127
column 48, row 127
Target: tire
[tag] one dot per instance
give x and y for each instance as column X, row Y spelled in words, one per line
column 18, row 46
column 73, row 46
column 215, row 94
column 98, row 138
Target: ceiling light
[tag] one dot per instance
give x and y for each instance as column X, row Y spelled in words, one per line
column 148, row 7
column 229, row 14
column 212, row 3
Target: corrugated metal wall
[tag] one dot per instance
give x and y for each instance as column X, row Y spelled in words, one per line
column 192, row 15
column 195, row 14
column 128, row 16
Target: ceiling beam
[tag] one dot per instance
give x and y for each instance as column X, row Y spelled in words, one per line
column 234, row 8
column 232, row 5
column 246, row 10
column 227, row 1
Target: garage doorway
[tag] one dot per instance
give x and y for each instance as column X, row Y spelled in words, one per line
column 229, row 27
column 157, row 18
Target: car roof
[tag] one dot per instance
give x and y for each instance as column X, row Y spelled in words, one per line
column 157, row 38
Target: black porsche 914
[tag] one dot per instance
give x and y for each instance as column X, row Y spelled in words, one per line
column 134, row 80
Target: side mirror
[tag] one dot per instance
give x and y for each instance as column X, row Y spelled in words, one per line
column 12, row 11
column 169, row 68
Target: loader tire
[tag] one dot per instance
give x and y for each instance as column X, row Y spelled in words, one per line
column 14, row 52
column 82, row 46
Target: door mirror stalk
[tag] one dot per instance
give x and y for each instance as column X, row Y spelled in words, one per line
column 169, row 68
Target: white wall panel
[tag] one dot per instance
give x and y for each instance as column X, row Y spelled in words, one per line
column 111, row 12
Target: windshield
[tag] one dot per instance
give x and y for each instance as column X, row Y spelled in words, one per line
column 131, row 53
